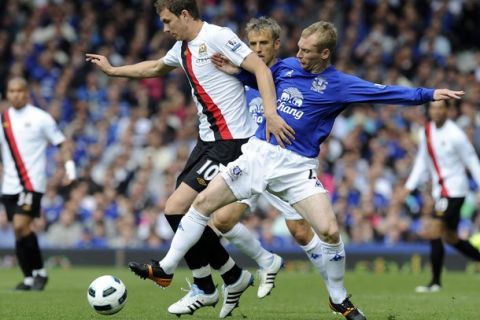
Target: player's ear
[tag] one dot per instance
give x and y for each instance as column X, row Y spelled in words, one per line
column 325, row 53
column 276, row 44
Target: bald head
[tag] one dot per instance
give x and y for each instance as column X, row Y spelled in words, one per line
column 17, row 92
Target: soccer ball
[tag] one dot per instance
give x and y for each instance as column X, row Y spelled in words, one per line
column 107, row 294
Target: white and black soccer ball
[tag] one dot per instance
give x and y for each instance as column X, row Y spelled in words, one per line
column 107, row 294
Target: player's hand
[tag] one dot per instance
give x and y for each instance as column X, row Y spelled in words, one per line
column 222, row 63
column 401, row 195
column 445, row 94
column 100, row 61
column 282, row 132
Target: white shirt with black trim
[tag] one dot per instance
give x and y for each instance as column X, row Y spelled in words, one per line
column 32, row 129
column 219, row 97
column 453, row 154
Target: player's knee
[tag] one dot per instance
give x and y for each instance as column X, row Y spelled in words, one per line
column 302, row 233
column 449, row 237
column 201, row 202
column 173, row 206
column 330, row 234
column 222, row 223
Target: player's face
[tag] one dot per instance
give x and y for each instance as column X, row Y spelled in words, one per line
column 263, row 45
column 308, row 54
column 176, row 26
column 438, row 111
column 17, row 94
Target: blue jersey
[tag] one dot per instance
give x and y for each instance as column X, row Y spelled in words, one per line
column 254, row 104
column 309, row 102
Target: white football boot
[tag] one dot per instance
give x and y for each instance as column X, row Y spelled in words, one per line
column 267, row 277
column 193, row 300
column 233, row 292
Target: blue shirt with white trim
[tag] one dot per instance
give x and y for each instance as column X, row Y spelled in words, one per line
column 310, row 102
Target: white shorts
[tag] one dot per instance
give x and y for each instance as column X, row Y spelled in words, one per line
column 286, row 210
column 263, row 166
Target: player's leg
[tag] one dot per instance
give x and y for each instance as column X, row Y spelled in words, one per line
column 192, row 225
column 175, row 208
column 226, row 221
column 241, row 177
column 318, row 212
column 295, row 182
column 437, row 254
column 451, row 219
column 25, row 208
column 201, row 167
column 303, row 233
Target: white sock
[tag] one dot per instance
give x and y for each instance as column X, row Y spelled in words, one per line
column 313, row 249
column 334, row 262
column 40, row 272
column 248, row 244
column 202, row 272
column 28, row 281
column 189, row 231
column 227, row 266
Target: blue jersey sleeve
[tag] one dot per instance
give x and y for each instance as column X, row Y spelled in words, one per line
column 247, row 78
column 356, row 90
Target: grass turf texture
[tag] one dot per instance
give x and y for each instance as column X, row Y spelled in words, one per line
column 298, row 295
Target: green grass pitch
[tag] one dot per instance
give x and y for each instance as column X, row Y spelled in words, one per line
column 298, row 295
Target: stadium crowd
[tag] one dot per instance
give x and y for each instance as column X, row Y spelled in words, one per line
column 131, row 138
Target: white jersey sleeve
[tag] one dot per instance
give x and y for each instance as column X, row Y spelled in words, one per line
column 467, row 154
column 173, row 56
column 420, row 168
column 51, row 130
column 230, row 45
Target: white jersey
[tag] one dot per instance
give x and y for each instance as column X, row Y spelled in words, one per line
column 24, row 138
column 445, row 152
column 219, row 97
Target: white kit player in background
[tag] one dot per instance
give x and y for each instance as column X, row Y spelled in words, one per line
column 26, row 132
column 444, row 153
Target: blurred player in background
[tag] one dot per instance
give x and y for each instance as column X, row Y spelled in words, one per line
column 26, row 132
column 445, row 153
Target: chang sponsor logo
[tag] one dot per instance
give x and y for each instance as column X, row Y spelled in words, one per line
column 289, row 101
column 255, row 107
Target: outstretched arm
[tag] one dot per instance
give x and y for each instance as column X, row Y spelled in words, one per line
column 145, row 69
column 275, row 124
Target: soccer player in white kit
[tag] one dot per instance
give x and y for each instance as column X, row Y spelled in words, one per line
column 445, row 153
column 224, row 126
column 26, row 132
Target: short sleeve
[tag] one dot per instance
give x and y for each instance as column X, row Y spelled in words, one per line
column 173, row 56
column 230, row 45
column 52, row 132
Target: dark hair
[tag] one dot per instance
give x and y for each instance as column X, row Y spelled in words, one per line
column 177, row 6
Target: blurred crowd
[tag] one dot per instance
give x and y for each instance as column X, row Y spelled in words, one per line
column 132, row 138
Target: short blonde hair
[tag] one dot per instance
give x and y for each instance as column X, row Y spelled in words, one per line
column 325, row 32
column 264, row 23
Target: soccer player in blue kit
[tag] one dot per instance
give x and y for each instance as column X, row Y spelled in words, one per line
column 311, row 93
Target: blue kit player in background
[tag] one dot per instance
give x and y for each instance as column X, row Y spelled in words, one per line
column 311, row 93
